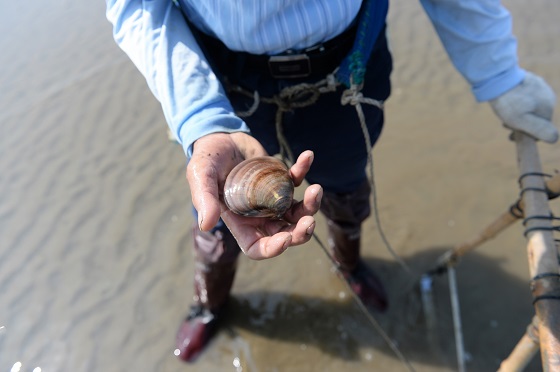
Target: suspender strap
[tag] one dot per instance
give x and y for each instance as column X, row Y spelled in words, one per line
column 371, row 21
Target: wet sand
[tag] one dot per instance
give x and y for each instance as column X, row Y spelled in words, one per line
column 95, row 241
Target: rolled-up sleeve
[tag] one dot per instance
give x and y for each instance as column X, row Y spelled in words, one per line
column 477, row 36
column 159, row 42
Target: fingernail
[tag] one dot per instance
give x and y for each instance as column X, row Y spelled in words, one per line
column 319, row 196
column 310, row 229
column 200, row 219
column 287, row 243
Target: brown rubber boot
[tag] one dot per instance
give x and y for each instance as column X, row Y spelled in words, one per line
column 215, row 263
column 345, row 214
column 345, row 246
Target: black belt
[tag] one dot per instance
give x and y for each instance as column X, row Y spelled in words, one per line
column 323, row 58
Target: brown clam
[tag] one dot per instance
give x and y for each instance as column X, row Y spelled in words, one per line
column 259, row 187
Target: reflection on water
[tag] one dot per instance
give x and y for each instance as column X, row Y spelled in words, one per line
column 18, row 365
column 95, row 214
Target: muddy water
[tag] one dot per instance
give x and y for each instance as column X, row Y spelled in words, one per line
column 95, row 261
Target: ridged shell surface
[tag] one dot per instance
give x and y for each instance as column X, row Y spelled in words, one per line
column 259, row 187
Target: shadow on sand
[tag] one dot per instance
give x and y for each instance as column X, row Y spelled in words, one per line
column 495, row 310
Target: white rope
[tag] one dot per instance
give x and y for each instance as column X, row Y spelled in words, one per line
column 254, row 106
column 354, row 97
column 289, row 98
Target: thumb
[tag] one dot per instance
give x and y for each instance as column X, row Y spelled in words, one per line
column 535, row 126
column 203, row 181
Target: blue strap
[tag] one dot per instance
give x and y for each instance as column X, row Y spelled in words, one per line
column 371, row 21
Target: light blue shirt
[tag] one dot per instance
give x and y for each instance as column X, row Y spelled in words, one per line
column 476, row 34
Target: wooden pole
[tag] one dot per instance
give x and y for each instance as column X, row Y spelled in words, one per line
column 541, row 251
column 524, row 351
column 542, row 257
column 507, row 218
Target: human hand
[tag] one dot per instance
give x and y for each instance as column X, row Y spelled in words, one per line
column 528, row 108
column 214, row 156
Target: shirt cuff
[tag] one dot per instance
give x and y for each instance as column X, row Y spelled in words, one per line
column 212, row 123
column 498, row 85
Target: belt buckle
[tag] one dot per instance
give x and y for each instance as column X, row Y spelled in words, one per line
column 289, row 66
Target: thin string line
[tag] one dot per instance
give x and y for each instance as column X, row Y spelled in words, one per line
column 364, row 310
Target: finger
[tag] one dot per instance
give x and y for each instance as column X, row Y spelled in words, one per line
column 269, row 247
column 536, row 127
column 255, row 243
column 302, row 231
column 301, row 167
column 203, row 181
column 307, row 207
column 545, row 98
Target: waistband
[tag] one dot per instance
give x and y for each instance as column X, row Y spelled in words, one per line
column 322, row 58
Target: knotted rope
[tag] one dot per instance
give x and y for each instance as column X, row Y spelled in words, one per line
column 288, row 99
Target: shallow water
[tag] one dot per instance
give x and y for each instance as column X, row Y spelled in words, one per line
column 95, row 260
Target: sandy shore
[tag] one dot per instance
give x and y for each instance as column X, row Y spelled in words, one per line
column 95, row 214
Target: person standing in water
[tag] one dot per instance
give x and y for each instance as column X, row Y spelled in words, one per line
column 206, row 60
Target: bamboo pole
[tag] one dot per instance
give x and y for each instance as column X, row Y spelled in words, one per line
column 542, row 255
column 541, row 251
column 505, row 220
column 524, row 351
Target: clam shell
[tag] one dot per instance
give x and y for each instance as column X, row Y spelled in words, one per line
column 259, row 187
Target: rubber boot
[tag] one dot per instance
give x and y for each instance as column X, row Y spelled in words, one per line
column 345, row 213
column 215, row 264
